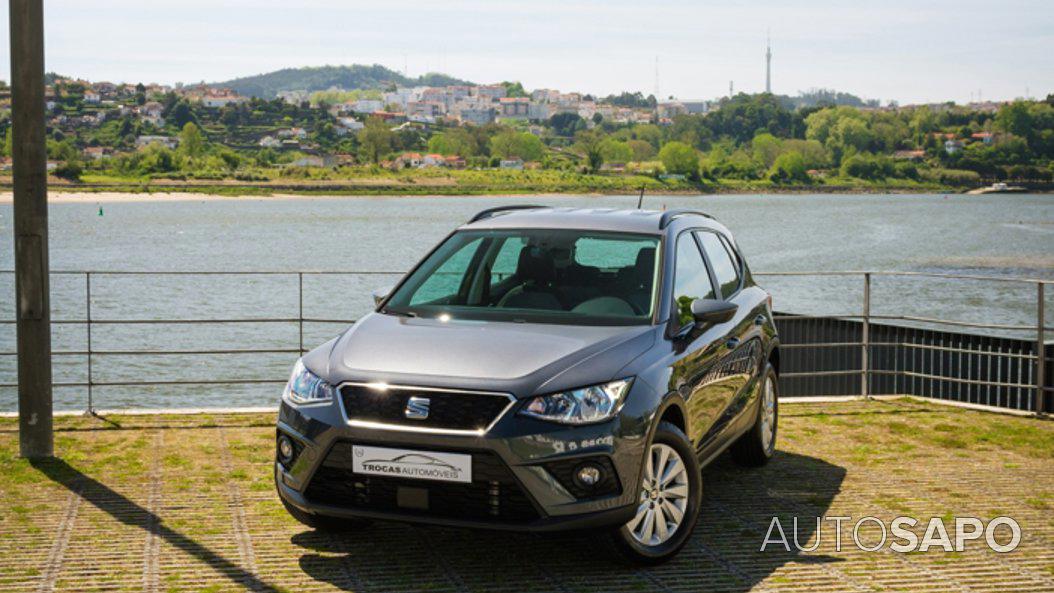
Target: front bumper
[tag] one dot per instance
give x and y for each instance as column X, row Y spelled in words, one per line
column 516, row 484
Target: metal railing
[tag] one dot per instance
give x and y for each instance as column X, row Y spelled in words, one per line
column 1037, row 359
column 90, row 322
column 855, row 334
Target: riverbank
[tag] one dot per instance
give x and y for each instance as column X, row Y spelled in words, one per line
column 483, row 183
column 81, row 195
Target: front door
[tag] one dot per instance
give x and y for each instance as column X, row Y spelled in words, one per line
column 701, row 356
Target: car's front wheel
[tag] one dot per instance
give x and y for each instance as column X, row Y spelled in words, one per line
column 668, row 503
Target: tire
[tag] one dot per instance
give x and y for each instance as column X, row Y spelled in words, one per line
column 323, row 522
column 629, row 539
column 758, row 445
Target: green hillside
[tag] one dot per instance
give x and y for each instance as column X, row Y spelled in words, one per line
column 321, row 78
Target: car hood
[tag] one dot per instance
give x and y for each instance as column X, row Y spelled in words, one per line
column 518, row 358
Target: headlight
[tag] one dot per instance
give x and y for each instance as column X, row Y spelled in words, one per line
column 579, row 406
column 305, row 387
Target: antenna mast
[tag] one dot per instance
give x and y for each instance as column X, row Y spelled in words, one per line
column 768, row 63
column 657, row 97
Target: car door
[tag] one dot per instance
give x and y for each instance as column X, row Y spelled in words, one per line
column 699, row 354
column 742, row 343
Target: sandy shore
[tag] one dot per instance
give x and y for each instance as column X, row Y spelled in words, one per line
column 56, row 197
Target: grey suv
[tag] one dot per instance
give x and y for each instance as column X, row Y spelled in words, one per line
column 541, row 369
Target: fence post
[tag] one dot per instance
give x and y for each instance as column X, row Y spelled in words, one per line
column 300, row 276
column 865, row 342
column 87, row 295
column 1041, row 348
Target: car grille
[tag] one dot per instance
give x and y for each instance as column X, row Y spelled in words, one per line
column 450, row 410
column 493, row 495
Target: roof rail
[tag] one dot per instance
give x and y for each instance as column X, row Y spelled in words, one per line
column 490, row 212
column 668, row 216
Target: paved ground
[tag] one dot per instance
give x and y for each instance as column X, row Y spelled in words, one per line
column 186, row 504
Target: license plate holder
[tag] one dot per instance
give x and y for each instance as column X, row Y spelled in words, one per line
column 411, row 464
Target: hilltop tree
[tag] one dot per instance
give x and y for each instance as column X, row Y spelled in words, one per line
column 742, row 117
column 514, row 89
column 1017, row 118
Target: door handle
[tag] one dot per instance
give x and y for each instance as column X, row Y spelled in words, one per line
column 759, row 320
column 732, row 343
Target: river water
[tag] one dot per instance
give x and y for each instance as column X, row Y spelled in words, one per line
column 997, row 235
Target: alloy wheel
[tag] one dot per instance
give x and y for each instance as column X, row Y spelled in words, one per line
column 663, row 497
column 768, row 414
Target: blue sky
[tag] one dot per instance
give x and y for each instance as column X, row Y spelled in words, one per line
column 895, row 49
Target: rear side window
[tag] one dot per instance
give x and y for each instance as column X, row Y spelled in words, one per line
column 690, row 278
column 725, row 268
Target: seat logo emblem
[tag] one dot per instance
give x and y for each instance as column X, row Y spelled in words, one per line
column 417, row 408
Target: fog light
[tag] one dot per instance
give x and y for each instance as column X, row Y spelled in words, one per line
column 285, row 449
column 588, row 475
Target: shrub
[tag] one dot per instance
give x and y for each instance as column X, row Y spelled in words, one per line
column 956, row 177
column 866, row 166
column 789, row 167
column 70, row 170
column 680, row 159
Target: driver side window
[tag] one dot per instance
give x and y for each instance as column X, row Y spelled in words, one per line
column 690, row 278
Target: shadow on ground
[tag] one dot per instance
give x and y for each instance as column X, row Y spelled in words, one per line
column 124, row 510
column 723, row 553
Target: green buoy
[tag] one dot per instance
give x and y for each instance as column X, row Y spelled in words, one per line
column 100, row 211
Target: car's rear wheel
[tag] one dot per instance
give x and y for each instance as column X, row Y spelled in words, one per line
column 758, row 444
column 668, row 503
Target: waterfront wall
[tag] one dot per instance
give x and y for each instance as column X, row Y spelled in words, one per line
column 824, row 357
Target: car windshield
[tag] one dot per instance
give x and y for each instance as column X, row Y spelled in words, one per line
column 535, row 275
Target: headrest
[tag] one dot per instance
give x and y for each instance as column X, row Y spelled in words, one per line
column 646, row 259
column 535, row 264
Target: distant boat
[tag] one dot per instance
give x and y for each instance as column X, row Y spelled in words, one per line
column 997, row 188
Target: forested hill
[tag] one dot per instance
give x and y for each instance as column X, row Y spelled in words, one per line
column 321, row 78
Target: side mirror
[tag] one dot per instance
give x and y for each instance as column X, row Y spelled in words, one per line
column 380, row 294
column 712, row 311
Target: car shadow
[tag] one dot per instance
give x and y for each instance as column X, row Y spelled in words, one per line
column 723, row 554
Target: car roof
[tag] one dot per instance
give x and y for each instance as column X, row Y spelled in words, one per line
column 652, row 222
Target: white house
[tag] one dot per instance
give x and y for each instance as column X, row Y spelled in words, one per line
column 299, row 133
column 348, row 124
column 367, row 105
column 166, row 141
column 221, row 99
